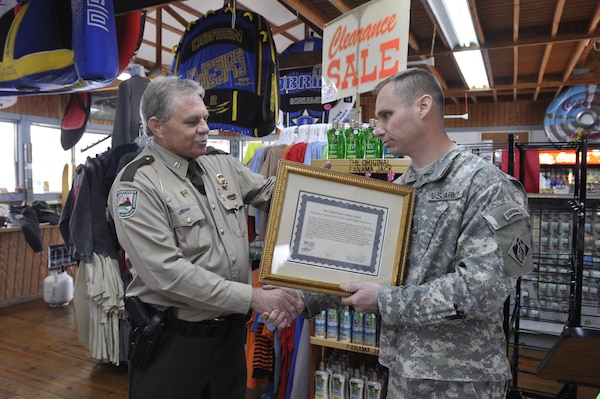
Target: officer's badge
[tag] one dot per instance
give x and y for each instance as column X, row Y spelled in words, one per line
column 221, row 180
column 126, row 202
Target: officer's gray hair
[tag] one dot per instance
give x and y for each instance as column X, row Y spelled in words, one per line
column 413, row 83
column 158, row 97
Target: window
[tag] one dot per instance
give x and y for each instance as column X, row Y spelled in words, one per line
column 223, row 145
column 8, row 160
column 91, row 145
column 48, row 159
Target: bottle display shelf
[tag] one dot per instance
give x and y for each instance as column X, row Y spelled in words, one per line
column 364, row 349
column 374, row 165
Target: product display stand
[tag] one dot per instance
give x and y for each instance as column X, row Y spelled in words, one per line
column 560, row 297
column 573, row 359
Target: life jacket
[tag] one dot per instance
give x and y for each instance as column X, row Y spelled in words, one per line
column 300, row 88
column 57, row 46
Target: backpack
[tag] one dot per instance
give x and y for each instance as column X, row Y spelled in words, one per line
column 231, row 53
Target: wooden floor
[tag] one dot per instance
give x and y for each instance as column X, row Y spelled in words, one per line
column 530, row 386
column 41, row 358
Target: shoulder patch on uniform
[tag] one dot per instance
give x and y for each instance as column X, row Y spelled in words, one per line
column 127, row 199
column 511, row 226
column 505, row 214
column 519, row 251
column 132, row 167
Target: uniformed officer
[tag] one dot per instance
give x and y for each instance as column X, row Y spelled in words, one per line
column 188, row 249
column 442, row 329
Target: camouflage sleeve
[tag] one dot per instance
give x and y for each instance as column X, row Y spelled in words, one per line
column 316, row 302
column 478, row 279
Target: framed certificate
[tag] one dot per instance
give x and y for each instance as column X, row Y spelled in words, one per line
column 328, row 227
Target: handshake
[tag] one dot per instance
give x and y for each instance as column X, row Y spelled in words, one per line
column 278, row 305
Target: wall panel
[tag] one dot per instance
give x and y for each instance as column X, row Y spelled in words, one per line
column 520, row 113
column 22, row 271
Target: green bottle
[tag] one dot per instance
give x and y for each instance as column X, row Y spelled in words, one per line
column 372, row 142
column 335, row 142
column 354, row 141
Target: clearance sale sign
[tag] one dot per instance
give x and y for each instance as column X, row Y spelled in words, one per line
column 363, row 47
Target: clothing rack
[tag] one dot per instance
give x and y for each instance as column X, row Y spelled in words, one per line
column 304, row 133
column 96, row 143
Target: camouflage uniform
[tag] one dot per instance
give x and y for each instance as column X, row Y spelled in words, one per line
column 470, row 238
column 412, row 388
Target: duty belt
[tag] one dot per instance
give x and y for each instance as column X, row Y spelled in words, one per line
column 206, row 328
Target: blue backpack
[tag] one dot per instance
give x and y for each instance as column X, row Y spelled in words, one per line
column 231, row 53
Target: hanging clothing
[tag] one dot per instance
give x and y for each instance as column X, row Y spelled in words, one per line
column 88, row 233
column 127, row 114
column 98, row 300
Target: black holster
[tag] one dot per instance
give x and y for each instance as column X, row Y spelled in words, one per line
column 147, row 326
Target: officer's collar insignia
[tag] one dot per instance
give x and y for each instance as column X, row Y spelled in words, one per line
column 184, row 193
column 221, row 180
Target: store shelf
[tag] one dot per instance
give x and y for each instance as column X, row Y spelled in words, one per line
column 364, row 349
column 359, row 166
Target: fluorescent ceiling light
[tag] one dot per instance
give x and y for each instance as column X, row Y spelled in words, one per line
column 455, row 21
column 454, row 18
column 470, row 63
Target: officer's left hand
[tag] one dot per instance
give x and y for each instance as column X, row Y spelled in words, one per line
column 364, row 296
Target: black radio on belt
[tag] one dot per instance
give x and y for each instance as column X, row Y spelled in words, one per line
column 145, row 331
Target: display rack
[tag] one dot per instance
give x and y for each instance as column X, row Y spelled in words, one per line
column 321, row 348
column 563, row 289
column 561, row 294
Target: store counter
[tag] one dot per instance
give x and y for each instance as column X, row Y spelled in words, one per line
column 22, row 271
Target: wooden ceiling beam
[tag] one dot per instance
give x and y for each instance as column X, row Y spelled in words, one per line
column 306, row 11
column 283, row 29
column 125, row 6
column 545, row 86
column 184, row 7
column 558, row 11
column 158, row 56
column 524, row 42
column 542, row 70
column 476, row 22
column 576, row 54
column 176, row 16
column 341, row 5
column 168, row 27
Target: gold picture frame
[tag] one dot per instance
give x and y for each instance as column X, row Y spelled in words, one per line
column 327, row 227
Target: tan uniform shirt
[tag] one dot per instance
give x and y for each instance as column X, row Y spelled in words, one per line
column 187, row 250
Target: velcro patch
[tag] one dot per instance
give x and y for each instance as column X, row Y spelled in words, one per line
column 519, row 250
column 511, row 226
column 445, row 195
column 127, row 199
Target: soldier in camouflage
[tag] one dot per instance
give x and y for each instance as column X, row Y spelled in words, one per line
column 442, row 330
